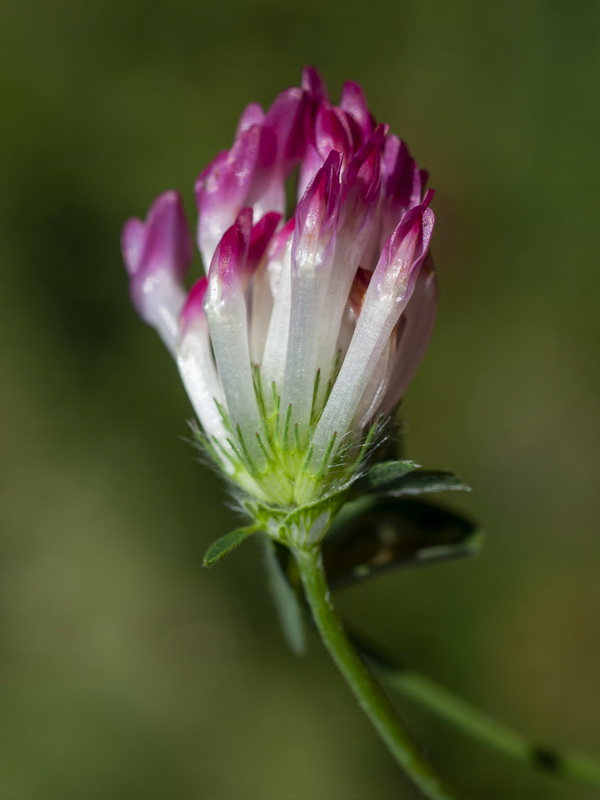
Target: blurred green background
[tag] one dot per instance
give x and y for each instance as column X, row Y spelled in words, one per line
column 126, row 670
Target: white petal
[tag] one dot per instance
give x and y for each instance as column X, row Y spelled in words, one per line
column 260, row 317
column 306, row 321
column 375, row 390
column 419, row 320
column 163, row 299
column 227, row 320
column 334, row 300
column 199, row 375
column 378, row 316
column 273, row 361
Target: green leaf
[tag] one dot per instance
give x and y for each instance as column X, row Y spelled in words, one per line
column 385, row 476
column 383, row 533
column 225, row 545
column 422, row 481
column 284, row 584
column 405, row 478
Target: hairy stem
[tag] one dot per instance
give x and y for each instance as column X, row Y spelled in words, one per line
column 361, row 681
column 480, row 726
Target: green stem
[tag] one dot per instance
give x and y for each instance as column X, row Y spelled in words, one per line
column 366, row 689
column 483, row 728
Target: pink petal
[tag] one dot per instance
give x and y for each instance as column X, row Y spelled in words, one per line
column 355, row 104
column 230, row 256
column 194, row 305
column 260, row 239
column 313, row 83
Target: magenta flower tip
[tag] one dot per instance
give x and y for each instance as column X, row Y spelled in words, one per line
column 364, row 173
column 157, row 254
column 260, row 238
column 132, row 243
column 280, row 240
column 285, row 119
column 162, row 242
column 313, row 84
column 230, row 256
column 317, row 215
column 354, row 103
column 319, row 203
column 194, row 305
column 332, row 132
column 405, row 251
column 253, row 114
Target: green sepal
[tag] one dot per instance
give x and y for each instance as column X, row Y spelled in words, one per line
column 383, row 533
column 286, row 590
column 405, row 478
column 294, row 526
column 226, row 545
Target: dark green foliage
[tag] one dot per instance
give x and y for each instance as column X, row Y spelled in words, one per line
column 385, row 476
column 404, row 477
column 383, row 533
column 429, row 481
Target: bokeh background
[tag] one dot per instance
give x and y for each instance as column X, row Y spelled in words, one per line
column 128, row 672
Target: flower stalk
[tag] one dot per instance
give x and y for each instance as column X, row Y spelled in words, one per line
column 361, row 681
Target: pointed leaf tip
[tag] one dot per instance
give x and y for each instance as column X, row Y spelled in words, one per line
column 423, row 481
column 226, row 545
column 402, row 478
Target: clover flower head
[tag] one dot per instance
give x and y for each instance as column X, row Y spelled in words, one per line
column 309, row 324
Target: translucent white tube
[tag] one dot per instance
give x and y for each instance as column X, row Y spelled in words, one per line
column 227, row 319
column 199, row 374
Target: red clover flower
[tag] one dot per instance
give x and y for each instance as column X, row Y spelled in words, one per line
column 308, row 326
